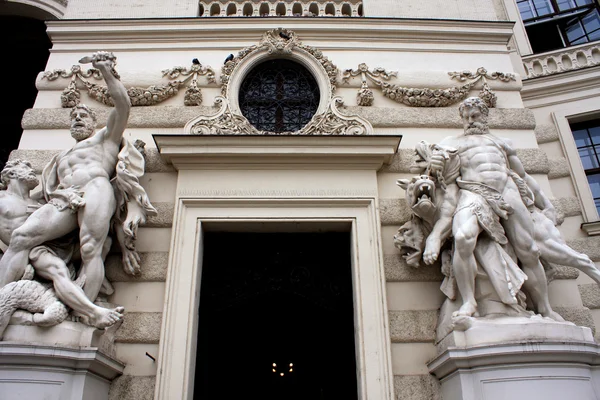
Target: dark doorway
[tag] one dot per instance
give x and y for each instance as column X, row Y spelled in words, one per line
column 276, row 317
column 25, row 47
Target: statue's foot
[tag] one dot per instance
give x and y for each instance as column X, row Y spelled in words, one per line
column 466, row 310
column 105, row 317
column 553, row 315
column 21, row 317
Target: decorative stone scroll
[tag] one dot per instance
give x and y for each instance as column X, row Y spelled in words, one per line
column 278, row 41
column 331, row 122
column 425, row 97
column 149, row 96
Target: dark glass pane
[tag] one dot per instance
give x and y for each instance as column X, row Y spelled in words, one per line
column 574, row 30
column 526, row 10
column 597, row 205
column 566, row 4
column 279, row 96
column 580, row 3
column 543, row 7
column 594, row 35
column 594, row 181
column 591, row 21
column 588, row 158
column 595, row 134
column 581, row 138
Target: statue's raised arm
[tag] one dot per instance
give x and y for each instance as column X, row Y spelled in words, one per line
column 117, row 119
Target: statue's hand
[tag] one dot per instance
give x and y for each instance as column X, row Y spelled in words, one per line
column 432, row 249
column 550, row 213
column 436, row 163
column 131, row 262
column 101, row 59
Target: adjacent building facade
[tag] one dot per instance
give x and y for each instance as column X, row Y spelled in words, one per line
column 382, row 75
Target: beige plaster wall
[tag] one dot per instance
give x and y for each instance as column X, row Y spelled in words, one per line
column 97, row 9
column 413, row 296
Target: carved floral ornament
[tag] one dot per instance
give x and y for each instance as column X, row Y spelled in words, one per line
column 331, row 122
column 424, row 97
column 284, row 43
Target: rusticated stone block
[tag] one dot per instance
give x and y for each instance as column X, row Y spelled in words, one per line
column 405, row 117
column 579, row 316
column 401, row 161
column 396, row 270
column 559, row 168
column 546, row 133
column 127, row 387
column 567, row 206
column 562, row 272
column 589, row 245
column 535, row 161
column 40, row 158
column 153, row 268
column 412, row 326
column 416, row 387
column 139, row 327
column 393, row 211
column 164, row 219
column 590, row 295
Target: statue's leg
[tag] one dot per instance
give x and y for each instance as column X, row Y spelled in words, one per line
column 519, row 231
column 560, row 253
column 465, row 230
column 51, row 267
column 94, row 222
column 44, row 224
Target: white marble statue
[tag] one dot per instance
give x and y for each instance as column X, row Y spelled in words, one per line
column 475, row 204
column 87, row 190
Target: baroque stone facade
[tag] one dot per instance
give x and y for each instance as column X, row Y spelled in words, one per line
column 380, row 81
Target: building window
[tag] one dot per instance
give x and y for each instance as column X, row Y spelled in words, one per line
column 554, row 24
column 279, row 96
column 587, row 139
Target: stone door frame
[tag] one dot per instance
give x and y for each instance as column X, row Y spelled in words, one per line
column 177, row 350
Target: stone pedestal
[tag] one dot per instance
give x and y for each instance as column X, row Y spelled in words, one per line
column 519, row 360
column 68, row 361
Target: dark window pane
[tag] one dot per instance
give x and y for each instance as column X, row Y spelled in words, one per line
column 594, row 35
column 566, row 4
column 581, row 138
column 580, row 3
column 594, row 181
column 574, row 30
column 279, row 96
column 543, row 7
column 594, row 133
column 526, row 10
column 588, row 158
column 591, row 21
column 597, row 205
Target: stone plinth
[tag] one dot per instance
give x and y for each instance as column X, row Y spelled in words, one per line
column 533, row 360
column 69, row 361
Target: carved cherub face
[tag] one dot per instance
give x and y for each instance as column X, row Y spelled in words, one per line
column 82, row 123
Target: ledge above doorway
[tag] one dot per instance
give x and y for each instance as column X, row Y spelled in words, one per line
column 277, row 152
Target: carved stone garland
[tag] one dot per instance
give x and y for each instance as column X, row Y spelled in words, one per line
column 282, row 41
column 139, row 96
column 425, row 97
column 331, row 122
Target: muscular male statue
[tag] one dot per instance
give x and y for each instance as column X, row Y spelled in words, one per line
column 79, row 193
column 491, row 185
column 48, row 260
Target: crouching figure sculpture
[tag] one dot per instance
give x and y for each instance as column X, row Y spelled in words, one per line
column 493, row 229
column 57, row 243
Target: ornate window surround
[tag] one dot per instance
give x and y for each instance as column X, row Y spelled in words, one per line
column 272, row 46
column 562, row 119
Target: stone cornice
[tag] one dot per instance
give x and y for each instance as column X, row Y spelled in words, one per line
column 330, row 33
column 538, row 92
